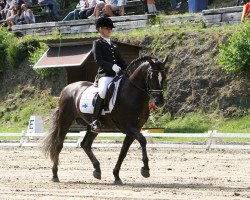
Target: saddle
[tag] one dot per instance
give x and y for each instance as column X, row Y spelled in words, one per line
column 88, row 98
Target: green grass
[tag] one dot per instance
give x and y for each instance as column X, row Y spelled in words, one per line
column 16, row 109
column 200, row 122
column 239, row 125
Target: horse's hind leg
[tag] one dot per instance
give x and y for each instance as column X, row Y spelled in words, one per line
column 125, row 147
column 86, row 144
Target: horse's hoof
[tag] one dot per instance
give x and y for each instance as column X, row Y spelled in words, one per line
column 56, row 180
column 145, row 172
column 118, row 182
column 97, row 174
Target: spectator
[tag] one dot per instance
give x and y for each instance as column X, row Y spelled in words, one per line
column 98, row 8
column 14, row 16
column 2, row 6
column 8, row 8
column 175, row 5
column 27, row 15
column 246, row 12
column 54, row 7
column 151, row 7
column 75, row 13
column 114, row 6
column 89, row 9
column 109, row 7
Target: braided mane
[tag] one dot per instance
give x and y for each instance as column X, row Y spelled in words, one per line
column 136, row 63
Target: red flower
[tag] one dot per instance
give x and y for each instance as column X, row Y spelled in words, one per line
column 152, row 106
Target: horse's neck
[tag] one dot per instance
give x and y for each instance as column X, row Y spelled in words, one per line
column 139, row 77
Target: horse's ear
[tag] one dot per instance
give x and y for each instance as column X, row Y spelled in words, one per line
column 165, row 60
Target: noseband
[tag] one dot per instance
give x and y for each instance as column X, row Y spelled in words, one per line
column 149, row 89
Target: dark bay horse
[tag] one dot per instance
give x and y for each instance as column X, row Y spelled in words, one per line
column 144, row 78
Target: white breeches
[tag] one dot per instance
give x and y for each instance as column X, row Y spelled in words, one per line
column 103, row 85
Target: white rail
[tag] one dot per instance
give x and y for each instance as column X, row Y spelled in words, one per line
column 211, row 140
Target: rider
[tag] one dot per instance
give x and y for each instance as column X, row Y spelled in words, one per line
column 110, row 62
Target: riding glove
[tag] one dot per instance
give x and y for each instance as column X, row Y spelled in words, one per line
column 116, row 68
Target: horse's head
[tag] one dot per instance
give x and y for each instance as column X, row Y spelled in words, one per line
column 155, row 80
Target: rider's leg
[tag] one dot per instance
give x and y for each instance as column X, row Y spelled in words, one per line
column 103, row 85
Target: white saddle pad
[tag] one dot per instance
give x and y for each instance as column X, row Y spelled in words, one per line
column 87, row 97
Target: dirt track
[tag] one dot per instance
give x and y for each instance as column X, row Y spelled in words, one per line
column 175, row 174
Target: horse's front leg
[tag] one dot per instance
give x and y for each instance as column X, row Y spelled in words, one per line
column 125, row 147
column 143, row 142
column 133, row 132
column 86, row 144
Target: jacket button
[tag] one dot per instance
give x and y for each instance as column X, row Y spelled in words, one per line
column 114, row 60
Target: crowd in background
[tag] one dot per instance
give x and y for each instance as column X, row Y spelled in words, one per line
column 18, row 12
column 95, row 8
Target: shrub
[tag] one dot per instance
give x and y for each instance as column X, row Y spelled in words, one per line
column 5, row 39
column 18, row 50
column 235, row 55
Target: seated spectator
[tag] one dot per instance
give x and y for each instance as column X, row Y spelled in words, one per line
column 54, row 7
column 27, row 15
column 14, row 16
column 2, row 6
column 89, row 9
column 246, row 13
column 8, row 7
column 116, row 8
column 98, row 8
column 151, row 7
column 75, row 13
column 108, row 7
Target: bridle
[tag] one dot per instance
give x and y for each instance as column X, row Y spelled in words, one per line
column 149, row 89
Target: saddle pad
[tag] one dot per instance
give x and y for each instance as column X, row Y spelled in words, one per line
column 88, row 95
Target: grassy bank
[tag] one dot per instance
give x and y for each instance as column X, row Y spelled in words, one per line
column 20, row 102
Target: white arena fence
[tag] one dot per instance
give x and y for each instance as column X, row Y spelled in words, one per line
column 213, row 140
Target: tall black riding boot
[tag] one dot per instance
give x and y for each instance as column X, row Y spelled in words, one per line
column 96, row 124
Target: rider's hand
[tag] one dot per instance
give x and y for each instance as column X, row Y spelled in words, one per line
column 116, row 68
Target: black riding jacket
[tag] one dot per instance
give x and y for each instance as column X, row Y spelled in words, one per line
column 106, row 56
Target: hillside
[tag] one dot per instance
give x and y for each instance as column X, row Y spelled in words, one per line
column 197, row 87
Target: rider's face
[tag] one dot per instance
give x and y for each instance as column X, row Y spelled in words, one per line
column 105, row 32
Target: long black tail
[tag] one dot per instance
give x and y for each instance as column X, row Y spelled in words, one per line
column 51, row 142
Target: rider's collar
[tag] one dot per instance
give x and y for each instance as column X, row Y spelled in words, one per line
column 106, row 39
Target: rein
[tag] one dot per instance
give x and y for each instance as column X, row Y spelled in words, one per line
column 148, row 91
